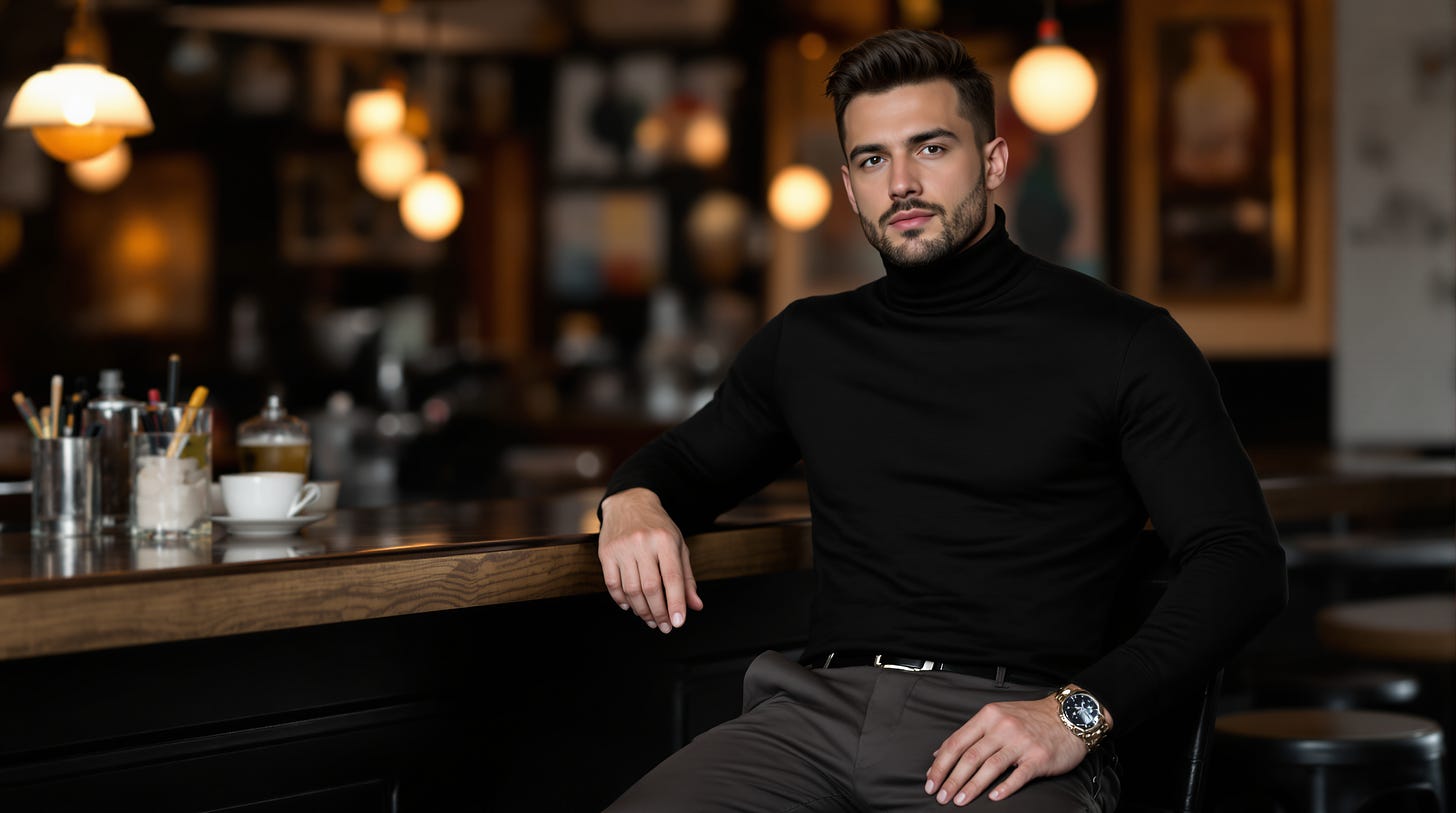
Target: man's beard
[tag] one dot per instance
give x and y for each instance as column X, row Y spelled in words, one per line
column 958, row 229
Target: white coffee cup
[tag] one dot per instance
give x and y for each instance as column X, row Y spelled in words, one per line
column 266, row 494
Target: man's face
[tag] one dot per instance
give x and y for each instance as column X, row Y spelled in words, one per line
column 917, row 175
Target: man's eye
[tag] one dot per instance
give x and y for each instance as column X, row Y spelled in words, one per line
column 873, row 160
column 933, row 149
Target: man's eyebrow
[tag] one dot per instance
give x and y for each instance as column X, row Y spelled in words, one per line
column 864, row 148
column 918, row 138
column 931, row 135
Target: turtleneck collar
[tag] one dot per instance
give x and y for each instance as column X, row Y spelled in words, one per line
column 976, row 275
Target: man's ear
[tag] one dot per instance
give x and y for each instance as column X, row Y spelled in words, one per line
column 996, row 157
column 848, row 188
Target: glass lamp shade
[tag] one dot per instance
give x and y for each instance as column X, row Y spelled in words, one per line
column 799, row 197
column 1053, row 88
column 389, row 162
column 104, row 172
column 374, row 113
column 79, row 110
column 431, row 206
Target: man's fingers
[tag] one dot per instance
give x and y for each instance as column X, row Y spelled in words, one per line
column 694, row 600
column 1016, row 781
column 674, row 591
column 612, row 576
column 963, row 772
column 632, row 586
column 995, row 765
column 651, row 574
column 951, row 753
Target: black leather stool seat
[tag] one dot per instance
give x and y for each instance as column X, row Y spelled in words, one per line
column 1328, row 761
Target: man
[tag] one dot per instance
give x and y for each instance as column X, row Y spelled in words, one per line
column 984, row 434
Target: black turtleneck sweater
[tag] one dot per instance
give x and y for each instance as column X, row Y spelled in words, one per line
column 983, row 438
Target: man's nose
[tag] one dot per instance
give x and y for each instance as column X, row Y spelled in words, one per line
column 904, row 182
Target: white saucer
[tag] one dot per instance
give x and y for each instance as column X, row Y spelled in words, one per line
column 237, row 526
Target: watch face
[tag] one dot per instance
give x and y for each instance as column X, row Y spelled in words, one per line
column 1081, row 710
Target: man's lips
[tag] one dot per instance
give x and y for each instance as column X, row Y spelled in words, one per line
column 913, row 219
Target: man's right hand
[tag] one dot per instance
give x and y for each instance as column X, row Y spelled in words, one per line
column 645, row 561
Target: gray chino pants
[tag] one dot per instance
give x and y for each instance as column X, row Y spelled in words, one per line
column 852, row 739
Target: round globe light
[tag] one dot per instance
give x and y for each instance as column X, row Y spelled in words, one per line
column 431, row 206
column 705, row 139
column 374, row 113
column 799, row 197
column 1053, row 88
column 389, row 162
column 104, row 172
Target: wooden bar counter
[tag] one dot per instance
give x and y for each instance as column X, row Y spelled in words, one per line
column 63, row 596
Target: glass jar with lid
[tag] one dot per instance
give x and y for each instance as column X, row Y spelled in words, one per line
column 274, row 441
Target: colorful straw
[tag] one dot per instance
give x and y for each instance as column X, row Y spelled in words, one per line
column 27, row 411
column 199, row 397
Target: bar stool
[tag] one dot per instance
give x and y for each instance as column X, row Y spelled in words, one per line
column 1325, row 761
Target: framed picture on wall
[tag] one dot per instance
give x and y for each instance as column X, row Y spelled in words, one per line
column 1228, row 158
column 1214, row 194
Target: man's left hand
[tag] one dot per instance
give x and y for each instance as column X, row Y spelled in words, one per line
column 1027, row 735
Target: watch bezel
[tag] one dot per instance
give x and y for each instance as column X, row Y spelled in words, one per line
column 1067, row 701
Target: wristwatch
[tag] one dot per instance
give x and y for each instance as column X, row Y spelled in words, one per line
column 1082, row 714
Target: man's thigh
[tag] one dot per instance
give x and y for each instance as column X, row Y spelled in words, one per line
column 891, row 771
column 787, row 753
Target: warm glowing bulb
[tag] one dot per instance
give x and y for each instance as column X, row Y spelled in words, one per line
column 388, row 163
column 78, row 110
column 1053, row 88
column 103, row 172
column 374, row 113
column 431, row 206
column 705, row 139
column 799, row 197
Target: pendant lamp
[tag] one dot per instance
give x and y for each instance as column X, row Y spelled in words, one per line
column 78, row 109
column 431, row 204
column 799, row 197
column 378, row 111
column 1053, row 86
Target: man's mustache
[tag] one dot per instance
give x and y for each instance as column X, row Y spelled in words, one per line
column 907, row 205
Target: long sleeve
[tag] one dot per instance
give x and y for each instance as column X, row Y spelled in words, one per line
column 728, row 450
column 1185, row 461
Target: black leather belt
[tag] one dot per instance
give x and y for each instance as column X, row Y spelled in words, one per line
column 835, row 660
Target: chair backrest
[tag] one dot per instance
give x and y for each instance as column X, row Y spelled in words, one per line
column 1164, row 760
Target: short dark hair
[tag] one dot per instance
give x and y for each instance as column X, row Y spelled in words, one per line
column 907, row 57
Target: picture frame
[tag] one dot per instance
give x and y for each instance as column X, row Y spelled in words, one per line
column 1227, row 170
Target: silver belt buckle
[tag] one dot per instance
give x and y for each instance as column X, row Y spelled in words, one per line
column 925, row 666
